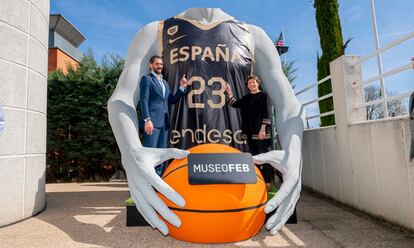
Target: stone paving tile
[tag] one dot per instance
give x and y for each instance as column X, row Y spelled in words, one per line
column 340, row 236
column 308, row 201
column 302, row 225
column 388, row 234
column 324, row 213
column 360, row 223
column 328, row 224
column 379, row 244
column 285, row 238
column 315, row 238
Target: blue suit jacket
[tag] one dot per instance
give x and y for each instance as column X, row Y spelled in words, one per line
column 152, row 103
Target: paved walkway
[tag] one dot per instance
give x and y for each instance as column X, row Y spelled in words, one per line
column 93, row 215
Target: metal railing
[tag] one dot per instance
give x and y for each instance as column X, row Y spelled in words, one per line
column 384, row 100
column 385, row 74
column 358, row 85
column 316, row 100
column 313, row 85
column 385, row 48
column 275, row 139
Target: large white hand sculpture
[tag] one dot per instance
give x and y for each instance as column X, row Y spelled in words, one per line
column 145, row 178
column 289, row 124
column 138, row 161
column 287, row 196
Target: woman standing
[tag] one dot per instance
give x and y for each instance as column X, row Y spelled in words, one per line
column 255, row 115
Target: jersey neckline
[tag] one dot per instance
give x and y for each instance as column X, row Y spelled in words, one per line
column 202, row 25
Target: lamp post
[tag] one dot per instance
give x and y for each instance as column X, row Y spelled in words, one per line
column 281, row 49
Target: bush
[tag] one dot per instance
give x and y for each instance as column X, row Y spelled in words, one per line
column 80, row 143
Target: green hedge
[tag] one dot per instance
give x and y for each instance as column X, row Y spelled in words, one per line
column 80, row 143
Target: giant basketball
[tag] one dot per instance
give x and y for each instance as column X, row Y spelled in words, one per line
column 215, row 213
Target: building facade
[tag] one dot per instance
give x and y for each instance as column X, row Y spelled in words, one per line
column 64, row 40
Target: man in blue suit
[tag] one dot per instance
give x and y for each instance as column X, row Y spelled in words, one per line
column 154, row 99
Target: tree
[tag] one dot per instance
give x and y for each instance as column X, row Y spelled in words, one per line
column 80, row 143
column 376, row 111
column 289, row 70
column 330, row 34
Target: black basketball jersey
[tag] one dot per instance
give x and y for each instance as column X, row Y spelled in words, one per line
column 210, row 56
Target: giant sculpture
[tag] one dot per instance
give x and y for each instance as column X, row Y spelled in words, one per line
column 139, row 161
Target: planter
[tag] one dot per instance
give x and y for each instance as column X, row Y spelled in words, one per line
column 133, row 217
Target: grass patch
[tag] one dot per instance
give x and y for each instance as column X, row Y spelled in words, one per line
column 272, row 192
column 129, row 202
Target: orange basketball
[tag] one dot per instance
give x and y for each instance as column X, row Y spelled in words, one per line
column 215, row 213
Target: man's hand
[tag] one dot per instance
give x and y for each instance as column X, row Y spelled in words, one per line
column 288, row 195
column 146, row 181
column 183, row 81
column 149, row 127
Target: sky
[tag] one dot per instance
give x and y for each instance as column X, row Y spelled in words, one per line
column 109, row 27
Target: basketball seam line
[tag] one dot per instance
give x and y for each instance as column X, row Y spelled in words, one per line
column 174, row 170
column 184, row 165
column 217, row 211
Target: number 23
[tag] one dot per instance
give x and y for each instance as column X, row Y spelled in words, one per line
column 199, row 91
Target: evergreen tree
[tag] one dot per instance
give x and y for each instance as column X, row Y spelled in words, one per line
column 330, row 34
column 80, row 143
column 289, row 70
